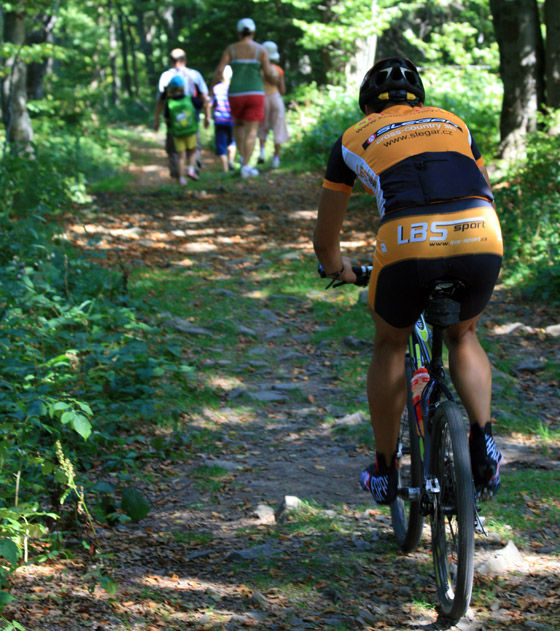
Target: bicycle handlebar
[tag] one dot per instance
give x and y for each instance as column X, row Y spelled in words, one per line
column 363, row 272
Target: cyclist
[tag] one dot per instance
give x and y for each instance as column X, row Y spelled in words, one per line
column 438, row 221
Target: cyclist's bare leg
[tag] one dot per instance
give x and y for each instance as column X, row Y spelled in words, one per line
column 470, row 370
column 386, row 384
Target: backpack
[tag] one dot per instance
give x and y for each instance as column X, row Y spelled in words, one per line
column 182, row 117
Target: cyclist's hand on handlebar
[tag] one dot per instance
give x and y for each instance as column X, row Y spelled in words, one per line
column 358, row 275
column 348, row 275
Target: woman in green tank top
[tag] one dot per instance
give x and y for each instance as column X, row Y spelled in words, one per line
column 246, row 90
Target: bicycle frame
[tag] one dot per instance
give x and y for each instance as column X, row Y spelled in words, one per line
column 425, row 349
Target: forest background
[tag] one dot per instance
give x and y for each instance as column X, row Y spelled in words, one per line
column 78, row 78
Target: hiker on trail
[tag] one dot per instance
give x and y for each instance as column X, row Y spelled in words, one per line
column 246, row 90
column 196, row 88
column 429, row 179
column 223, row 122
column 274, row 110
column 183, row 125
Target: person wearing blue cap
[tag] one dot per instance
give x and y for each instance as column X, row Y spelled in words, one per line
column 183, row 124
column 195, row 87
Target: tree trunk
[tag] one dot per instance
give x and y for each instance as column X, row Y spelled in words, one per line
column 135, row 74
column 124, row 52
column 146, row 47
column 36, row 71
column 517, row 27
column 116, row 82
column 362, row 61
column 552, row 52
column 14, row 92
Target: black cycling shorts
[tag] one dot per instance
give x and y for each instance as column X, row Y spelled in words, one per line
column 458, row 240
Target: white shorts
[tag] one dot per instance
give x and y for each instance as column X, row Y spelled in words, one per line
column 274, row 119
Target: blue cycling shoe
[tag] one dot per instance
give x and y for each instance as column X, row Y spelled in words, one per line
column 381, row 480
column 485, row 461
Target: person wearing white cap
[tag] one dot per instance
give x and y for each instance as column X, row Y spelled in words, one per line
column 274, row 110
column 246, row 90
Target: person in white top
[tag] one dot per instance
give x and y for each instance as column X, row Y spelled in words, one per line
column 196, row 87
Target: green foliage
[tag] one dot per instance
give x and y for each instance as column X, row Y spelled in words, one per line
column 317, row 119
column 77, row 363
column 134, row 504
column 319, row 115
column 529, row 205
column 440, row 32
column 474, row 94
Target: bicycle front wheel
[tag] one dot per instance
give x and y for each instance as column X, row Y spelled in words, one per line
column 452, row 520
column 407, row 520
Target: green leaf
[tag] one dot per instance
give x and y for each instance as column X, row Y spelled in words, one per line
column 103, row 487
column 36, row 408
column 134, row 504
column 108, row 584
column 81, row 425
column 9, row 551
column 67, row 417
column 5, row 598
column 85, row 408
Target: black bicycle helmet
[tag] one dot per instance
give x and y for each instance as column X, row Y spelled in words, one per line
column 391, row 79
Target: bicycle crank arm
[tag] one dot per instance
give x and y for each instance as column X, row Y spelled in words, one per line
column 409, row 493
column 479, row 523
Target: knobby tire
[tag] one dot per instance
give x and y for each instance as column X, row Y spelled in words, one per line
column 405, row 514
column 452, row 522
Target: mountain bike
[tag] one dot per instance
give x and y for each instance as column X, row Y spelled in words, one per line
column 434, row 469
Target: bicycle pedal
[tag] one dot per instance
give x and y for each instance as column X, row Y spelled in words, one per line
column 479, row 522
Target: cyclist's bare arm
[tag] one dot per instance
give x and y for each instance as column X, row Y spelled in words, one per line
column 326, row 238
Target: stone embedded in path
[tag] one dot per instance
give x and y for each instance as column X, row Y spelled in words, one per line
column 245, row 330
column 221, row 291
column 290, row 356
column 286, row 387
column 235, row 394
column 353, row 342
column 268, row 396
column 185, row 326
column 291, row 256
column 265, row 513
column 276, row 332
column 289, row 504
column 553, row 330
column 257, row 363
column 511, row 327
column 531, row 365
column 351, row 420
column 258, row 350
column 293, row 299
column 504, row 560
column 302, row 412
column 256, row 552
column 198, row 554
column 228, row 465
column 268, row 314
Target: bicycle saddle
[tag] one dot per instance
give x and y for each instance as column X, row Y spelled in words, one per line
column 441, row 308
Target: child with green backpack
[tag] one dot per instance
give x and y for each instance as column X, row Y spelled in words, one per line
column 184, row 123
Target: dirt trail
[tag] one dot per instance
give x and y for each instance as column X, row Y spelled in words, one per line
column 219, row 560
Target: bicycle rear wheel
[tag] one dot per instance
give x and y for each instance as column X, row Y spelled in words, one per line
column 452, row 521
column 405, row 514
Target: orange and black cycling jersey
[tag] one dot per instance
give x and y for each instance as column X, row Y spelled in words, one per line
column 408, row 157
